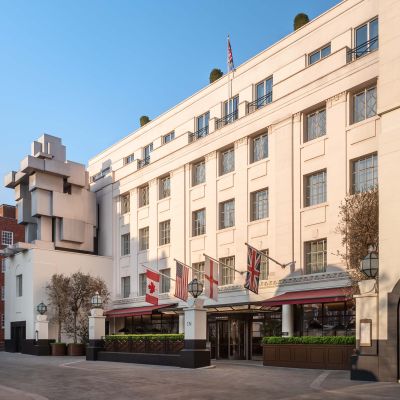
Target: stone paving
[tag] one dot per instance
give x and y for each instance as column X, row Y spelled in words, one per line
column 24, row 377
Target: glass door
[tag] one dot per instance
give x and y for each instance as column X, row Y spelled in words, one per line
column 223, row 339
column 238, row 339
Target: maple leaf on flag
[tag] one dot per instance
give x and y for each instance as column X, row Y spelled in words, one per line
column 152, row 288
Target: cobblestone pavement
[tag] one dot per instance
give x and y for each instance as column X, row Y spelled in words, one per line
column 24, row 377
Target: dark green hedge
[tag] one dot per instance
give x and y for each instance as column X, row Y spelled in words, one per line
column 309, row 340
column 173, row 337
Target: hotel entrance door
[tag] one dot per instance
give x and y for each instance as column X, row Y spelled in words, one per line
column 232, row 339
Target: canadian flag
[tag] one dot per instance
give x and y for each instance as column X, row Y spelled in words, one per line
column 211, row 278
column 152, row 283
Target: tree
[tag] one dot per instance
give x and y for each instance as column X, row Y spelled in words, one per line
column 300, row 20
column 359, row 226
column 144, row 119
column 215, row 74
column 81, row 289
column 57, row 293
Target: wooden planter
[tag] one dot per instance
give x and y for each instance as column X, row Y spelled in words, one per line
column 58, row 349
column 174, row 346
column 319, row 356
column 155, row 347
column 109, row 345
column 124, row 346
column 76, row 349
column 138, row 346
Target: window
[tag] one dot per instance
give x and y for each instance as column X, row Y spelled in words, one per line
column 198, row 271
column 165, row 187
column 165, row 281
column 3, row 265
column 144, row 238
column 364, row 104
column 315, row 188
column 165, row 232
column 315, row 254
column 231, row 108
column 125, row 203
column 264, row 93
column 226, row 270
column 316, row 124
column 169, row 137
column 147, row 150
column 227, row 161
column 142, row 284
column 100, row 174
column 126, row 286
column 264, row 267
column 319, row 54
column 365, row 173
column 202, row 125
column 259, row 204
column 2, row 293
column 129, row 159
column 198, row 173
column 2, row 322
column 366, row 38
column 144, row 195
column 125, row 244
column 19, row 285
column 7, row 238
column 199, row 222
column 259, row 147
column 227, row 214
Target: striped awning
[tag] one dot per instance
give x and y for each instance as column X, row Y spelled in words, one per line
column 132, row 311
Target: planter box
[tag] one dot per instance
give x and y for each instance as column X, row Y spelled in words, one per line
column 76, row 349
column 318, row 356
column 58, row 349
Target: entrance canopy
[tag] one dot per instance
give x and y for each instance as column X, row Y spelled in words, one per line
column 310, row 296
column 130, row 312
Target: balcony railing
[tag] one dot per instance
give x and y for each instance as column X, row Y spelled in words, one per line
column 227, row 119
column 203, row 132
column 260, row 102
column 363, row 49
column 144, row 162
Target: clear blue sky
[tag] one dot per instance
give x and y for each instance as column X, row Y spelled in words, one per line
column 86, row 70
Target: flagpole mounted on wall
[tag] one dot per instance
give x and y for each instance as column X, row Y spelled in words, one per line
column 273, row 260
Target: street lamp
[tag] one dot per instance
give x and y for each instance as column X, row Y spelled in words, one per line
column 195, row 288
column 96, row 301
column 41, row 308
column 370, row 264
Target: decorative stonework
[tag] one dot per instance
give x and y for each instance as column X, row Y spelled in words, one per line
column 211, row 156
column 297, row 117
column 338, row 98
column 240, row 142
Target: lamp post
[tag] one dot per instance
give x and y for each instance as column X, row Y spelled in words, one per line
column 42, row 324
column 97, row 328
column 96, row 301
column 370, row 264
column 195, row 288
column 41, row 308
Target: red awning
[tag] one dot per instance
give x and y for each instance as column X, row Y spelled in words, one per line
column 129, row 312
column 310, row 296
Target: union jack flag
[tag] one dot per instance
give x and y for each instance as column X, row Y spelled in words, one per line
column 231, row 66
column 253, row 269
column 181, row 284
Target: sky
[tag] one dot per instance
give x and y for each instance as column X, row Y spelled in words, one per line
column 86, row 70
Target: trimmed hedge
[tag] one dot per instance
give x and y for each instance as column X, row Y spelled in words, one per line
column 172, row 337
column 343, row 340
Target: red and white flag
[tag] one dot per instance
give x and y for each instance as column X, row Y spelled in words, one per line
column 231, row 66
column 211, row 278
column 182, row 280
column 152, row 284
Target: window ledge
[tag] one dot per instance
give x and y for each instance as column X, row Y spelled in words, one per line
column 224, row 175
column 163, row 246
column 198, row 236
column 316, row 140
column 313, row 207
column 232, row 228
column 256, row 221
column 360, row 123
column 251, row 164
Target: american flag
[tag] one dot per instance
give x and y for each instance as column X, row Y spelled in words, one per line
column 182, row 280
column 231, row 66
column 211, row 278
column 253, row 269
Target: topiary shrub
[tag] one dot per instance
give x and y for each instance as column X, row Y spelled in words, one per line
column 144, row 119
column 339, row 340
column 215, row 74
column 300, row 20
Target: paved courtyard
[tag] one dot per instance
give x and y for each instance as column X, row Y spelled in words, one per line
column 24, row 377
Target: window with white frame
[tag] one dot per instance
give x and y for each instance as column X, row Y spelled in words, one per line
column 125, row 244
column 147, row 151
column 227, row 273
column 199, row 222
column 315, row 256
column 142, row 284
column 125, row 203
column 164, row 187
column 3, row 265
column 125, row 286
column 366, row 38
column 227, row 214
column 2, row 293
column 315, row 188
column 231, row 109
column 129, row 159
column 227, row 161
column 198, row 271
column 264, row 93
column 259, row 204
column 144, row 196
column 165, row 281
column 144, row 238
column 364, row 104
column 7, row 238
column 316, row 124
column 169, row 137
column 198, row 172
column 264, row 266
column 259, row 147
column 19, row 285
column 202, row 122
column 364, row 173
column 2, row 322
column 319, row 54
column 165, row 232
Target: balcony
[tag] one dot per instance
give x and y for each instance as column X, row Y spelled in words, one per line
column 227, row 119
column 259, row 103
column 363, row 49
column 144, row 162
column 203, row 132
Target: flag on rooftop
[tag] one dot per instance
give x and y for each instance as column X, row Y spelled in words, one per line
column 231, row 66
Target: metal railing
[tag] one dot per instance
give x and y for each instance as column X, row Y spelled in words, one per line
column 227, row 119
column 203, row 132
column 144, row 162
column 259, row 103
column 363, row 49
